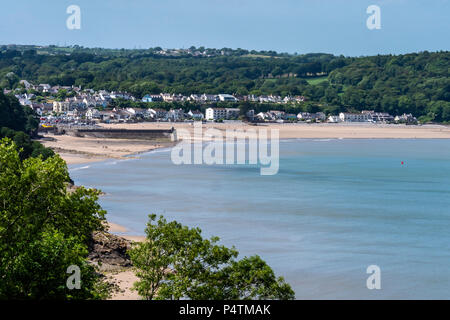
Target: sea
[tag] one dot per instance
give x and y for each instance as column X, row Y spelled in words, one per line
column 337, row 209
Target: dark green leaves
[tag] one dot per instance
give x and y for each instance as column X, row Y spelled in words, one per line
column 177, row 263
column 43, row 228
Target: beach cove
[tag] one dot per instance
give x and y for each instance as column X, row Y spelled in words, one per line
column 76, row 150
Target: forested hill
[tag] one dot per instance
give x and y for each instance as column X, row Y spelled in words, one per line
column 416, row 83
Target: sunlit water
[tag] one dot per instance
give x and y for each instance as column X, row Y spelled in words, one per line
column 335, row 207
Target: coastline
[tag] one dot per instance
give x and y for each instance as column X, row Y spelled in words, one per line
column 312, row 131
column 76, row 150
column 122, row 232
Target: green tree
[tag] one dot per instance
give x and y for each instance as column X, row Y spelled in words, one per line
column 44, row 228
column 62, row 94
column 175, row 262
column 19, row 123
column 378, row 82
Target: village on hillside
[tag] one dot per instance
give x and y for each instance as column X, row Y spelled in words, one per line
column 73, row 105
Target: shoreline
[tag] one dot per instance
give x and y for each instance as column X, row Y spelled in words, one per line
column 77, row 150
column 115, row 265
column 121, row 231
column 310, row 130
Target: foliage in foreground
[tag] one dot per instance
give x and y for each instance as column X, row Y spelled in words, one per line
column 175, row 262
column 43, row 229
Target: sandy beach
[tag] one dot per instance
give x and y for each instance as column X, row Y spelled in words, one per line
column 314, row 131
column 76, row 150
column 123, row 279
column 123, row 232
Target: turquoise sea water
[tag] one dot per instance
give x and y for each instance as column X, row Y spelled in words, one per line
column 334, row 208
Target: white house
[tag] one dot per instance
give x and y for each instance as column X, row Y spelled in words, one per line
column 196, row 115
column 354, row 117
column 265, row 116
column 303, row 116
column 44, row 87
column 61, row 106
column 195, row 98
column 379, row 116
column 209, row 97
column 227, row 97
column 222, row 113
column 277, row 115
column 25, row 102
column 158, row 113
column 406, row 118
column 136, row 112
column 288, row 99
column 167, row 97
column 92, row 113
column 175, row 114
column 334, row 119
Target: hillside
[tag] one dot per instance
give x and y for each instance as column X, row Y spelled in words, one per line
column 416, row 83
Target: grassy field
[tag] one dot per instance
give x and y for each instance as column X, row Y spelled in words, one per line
column 258, row 56
column 317, row 80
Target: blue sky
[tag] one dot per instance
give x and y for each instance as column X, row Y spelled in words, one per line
column 303, row 26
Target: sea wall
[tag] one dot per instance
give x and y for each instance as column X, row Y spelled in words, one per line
column 121, row 133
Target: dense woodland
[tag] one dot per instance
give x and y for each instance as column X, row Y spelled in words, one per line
column 19, row 124
column 416, row 83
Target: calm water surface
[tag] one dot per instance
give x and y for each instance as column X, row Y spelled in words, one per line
column 335, row 207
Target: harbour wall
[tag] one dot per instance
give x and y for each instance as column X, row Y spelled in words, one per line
column 141, row 134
